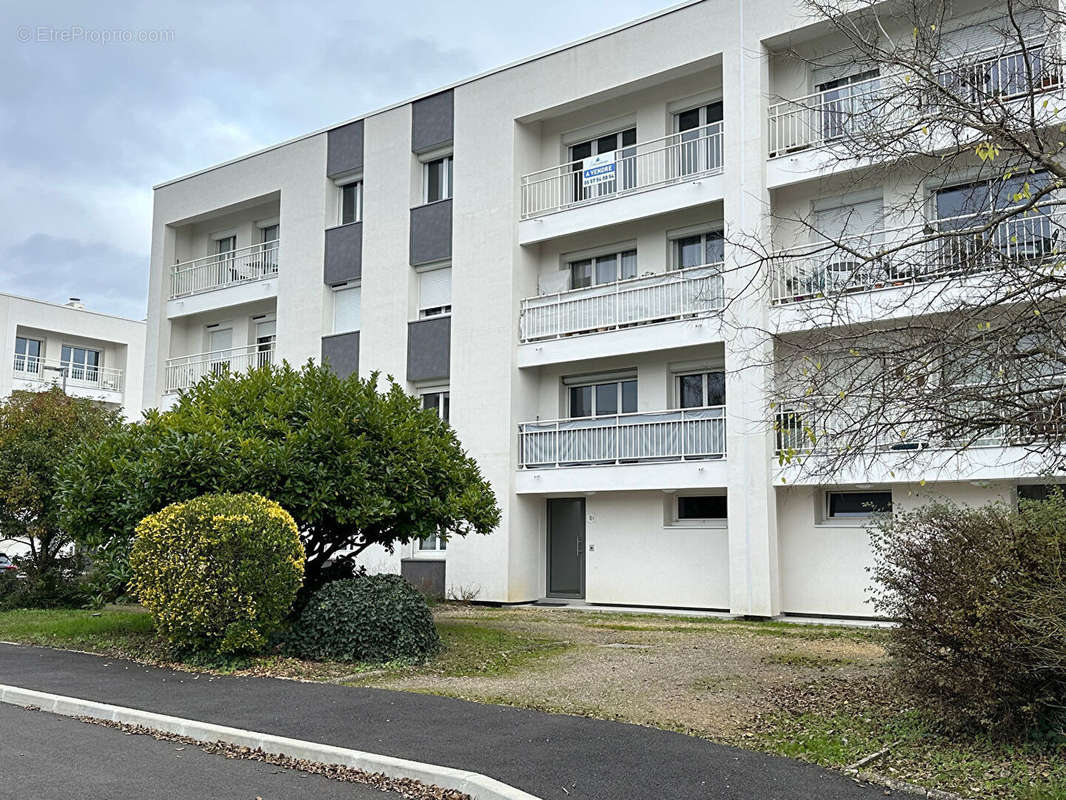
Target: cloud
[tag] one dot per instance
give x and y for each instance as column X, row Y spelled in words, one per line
column 56, row 269
column 87, row 128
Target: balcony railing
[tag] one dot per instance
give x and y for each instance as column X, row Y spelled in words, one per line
column 620, row 304
column 47, row 370
column 964, row 245
column 185, row 372
column 255, row 263
column 691, row 433
column 646, row 165
column 833, row 114
column 823, row 116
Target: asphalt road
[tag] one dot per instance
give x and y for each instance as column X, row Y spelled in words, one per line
column 552, row 756
column 47, row 757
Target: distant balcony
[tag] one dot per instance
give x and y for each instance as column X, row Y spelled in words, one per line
column 247, row 265
column 68, row 374
column 957, row 246
column 637, row 301
column 678, row 435
column 645, row 165
column 185, row 372
column 834, row 114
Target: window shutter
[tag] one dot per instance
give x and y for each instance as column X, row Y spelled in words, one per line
column 435, row 288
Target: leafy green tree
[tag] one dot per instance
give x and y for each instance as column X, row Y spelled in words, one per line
column 38, row 432
column 354, row 466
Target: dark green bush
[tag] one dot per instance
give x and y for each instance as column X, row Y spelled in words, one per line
column 365, row 618
column 980, row 598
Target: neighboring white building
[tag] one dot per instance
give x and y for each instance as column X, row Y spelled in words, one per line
column 570, row 329
column 89, row 354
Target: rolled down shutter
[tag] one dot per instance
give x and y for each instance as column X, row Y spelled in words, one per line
column 435, row 288
column 969, row 40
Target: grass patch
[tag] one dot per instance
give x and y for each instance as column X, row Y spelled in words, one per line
column 113, row 627
column 808, row 660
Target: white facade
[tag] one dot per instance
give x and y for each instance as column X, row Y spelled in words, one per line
column 556, row 285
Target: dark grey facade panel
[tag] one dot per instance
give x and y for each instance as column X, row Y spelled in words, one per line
column 429, row 346
column 431, row 232
column 342, row 352
column 344, row 254
column 432, row 121
column 344, row 149
column 425, row 575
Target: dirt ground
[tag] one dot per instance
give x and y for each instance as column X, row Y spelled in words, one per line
column 697, row 675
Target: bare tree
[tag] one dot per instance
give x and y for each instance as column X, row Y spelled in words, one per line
column 923, row 311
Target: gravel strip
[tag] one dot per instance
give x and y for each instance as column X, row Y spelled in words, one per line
column 405, row 787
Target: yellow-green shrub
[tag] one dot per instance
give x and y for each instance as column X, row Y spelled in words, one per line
column 218, row 573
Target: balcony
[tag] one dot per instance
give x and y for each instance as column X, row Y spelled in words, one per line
column 647, row 165
column 831, row 115
column 679, row 435
column 80, row 380
column 637, row 301
column 246, row 265
column 944, row 248
column 185, row 372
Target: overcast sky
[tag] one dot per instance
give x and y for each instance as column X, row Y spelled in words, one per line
column 87, row 127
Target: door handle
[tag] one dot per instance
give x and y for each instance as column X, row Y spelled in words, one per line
column 580, row 549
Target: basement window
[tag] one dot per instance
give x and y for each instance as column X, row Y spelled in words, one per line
column 855, row 505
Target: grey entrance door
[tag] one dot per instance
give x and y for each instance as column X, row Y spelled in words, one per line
column 566, row 547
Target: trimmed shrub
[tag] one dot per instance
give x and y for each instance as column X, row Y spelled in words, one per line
column 979, row 595
column 365, row 618
column 218, row 573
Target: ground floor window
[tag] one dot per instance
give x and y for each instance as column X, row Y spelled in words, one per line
column 850, row 505
column 701, row 508
column 438, row 401
column 434, row 543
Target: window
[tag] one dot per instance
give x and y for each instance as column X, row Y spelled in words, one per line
column 699, row 147
column 603, row 269
column 622, row 144
column 219, row 343
column 268, row 236
column 701, row 507
column 82, row 364
column 347, row 301
column 352, row 202
column 437, row 179
column 265, row 335
column 843, row 99
column 433, row 543
column 435, row 292
column 698, row 249
column 845, row 505
column 439, row 402
column 604, row 399
column 227, row 244
column 269, row 233
column 700, row 389
column 27, row 355
column 1038, row 491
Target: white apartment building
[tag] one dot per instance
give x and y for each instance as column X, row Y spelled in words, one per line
column 538, row 252
column 92, row 355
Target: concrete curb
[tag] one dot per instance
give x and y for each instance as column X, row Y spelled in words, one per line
column 478, row 786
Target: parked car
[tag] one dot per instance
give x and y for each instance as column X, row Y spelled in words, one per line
column 6, row 566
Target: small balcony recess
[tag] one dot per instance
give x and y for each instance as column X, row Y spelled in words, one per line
column 246, row 265
column 645, row 165
column 68, row 374
column 956, row 246
column 678, row 294
column 681, row 434
column 185, row 372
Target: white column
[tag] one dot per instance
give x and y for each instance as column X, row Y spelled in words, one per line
column 754, row 582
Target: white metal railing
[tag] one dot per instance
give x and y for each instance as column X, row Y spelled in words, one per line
column 963, row 245
column 827, row 424
column 185, row 372
column 254, row 263
column 48, row 370
column 645, row 165
column 635, row 301
column 832, row 114
column 696, row 433
column 823, row 116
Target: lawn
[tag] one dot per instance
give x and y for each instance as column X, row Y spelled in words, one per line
column 818, row 693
